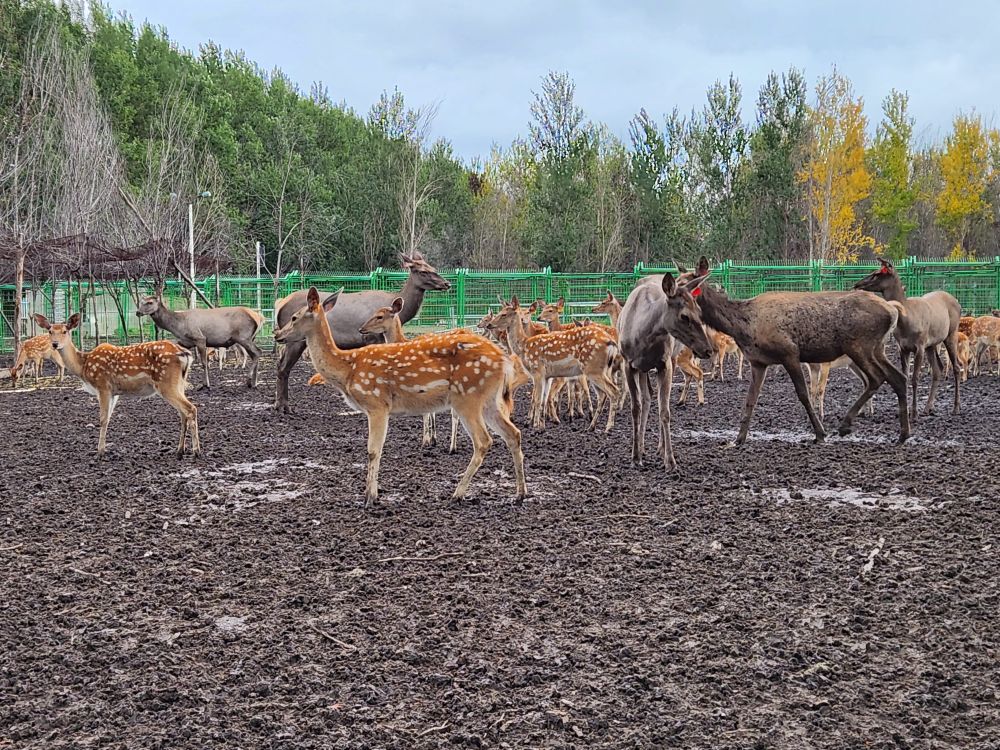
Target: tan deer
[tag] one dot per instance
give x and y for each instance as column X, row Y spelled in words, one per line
column 457, row 370
column 725, row 345
column 612, row 307
column 577, row 389
column 35, row 351
column 819, row 375
column 589, row 351
column 139, row 370
column 985, row 335
column 688, row 364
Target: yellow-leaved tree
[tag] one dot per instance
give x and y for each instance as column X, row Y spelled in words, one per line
column 965, row 174
column 835, row 173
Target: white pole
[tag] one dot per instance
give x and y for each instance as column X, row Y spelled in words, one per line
column 191, row 250
column 258, row 274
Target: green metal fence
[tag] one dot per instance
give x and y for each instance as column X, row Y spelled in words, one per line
column 109, row 312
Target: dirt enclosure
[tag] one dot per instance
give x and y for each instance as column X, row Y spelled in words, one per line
column 782, row 595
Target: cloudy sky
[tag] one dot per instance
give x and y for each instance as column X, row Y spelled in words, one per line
column 481, row 60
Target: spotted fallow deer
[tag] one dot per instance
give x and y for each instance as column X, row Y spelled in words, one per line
column 577, row 389
column 569, row 353
column 386, row 322
column 457, row 370
column 35, row 351
column 138, row 370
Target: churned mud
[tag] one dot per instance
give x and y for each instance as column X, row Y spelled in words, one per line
column 781, row 595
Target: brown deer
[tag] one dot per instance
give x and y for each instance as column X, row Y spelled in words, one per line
column 924, row 323
column 659, row 309
column 138, row 370
column 611, row 307
column 457, row 370
column 791, row 328
column 569, row 353
column 35, row 351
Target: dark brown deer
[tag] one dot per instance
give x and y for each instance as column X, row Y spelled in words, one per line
column 924, row 323
column 791, row 328
column 658, row 309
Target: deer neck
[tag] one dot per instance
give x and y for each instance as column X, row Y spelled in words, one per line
column 394, row 334
column 894, row 290
column 413, row 298
column 332, row 362
column 613, row 312
column 516, row 338
column 165, row 318
column 73, row 358
column 725, row 315
column 557, row 325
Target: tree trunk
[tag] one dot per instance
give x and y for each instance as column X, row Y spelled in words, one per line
column 18, row 294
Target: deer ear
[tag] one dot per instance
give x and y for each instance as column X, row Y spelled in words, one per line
column 42, row 321
column 405, row 260
column 669, row 285
column 514, row 303
column 330, row 301
column 610, row 297
column 397, row 305
column 702, row 269
column 533, row 306
column 678, row 266
column 312, row 298
column 694, row 285
column 73, row 322
column 560, row 303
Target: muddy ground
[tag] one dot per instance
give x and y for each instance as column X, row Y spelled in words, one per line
column 782, row 595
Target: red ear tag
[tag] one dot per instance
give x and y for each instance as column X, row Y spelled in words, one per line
column 696, row 292
column 885, row 269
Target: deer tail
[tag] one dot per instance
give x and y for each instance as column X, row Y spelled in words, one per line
column 612, row 354
column 900, row 307
column 186, row 359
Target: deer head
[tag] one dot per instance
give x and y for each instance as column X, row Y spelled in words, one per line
column 423, row 273
column 383, row 319
column 552, row 313
column 58, row 332
column 306, row 319
column 607, row 306
column 881, row 280
column 148, row 306
column 681, row 315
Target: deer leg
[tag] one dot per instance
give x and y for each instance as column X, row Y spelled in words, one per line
column 665, row 381
column 701, row 389
column 378, row 424
column 722, row 367
column 794, row 370
column 918, row 363
column 538, row 404
column 872, row 377
column 936, row 377
column 104, row 401
column 202, row 348
column 635, row 398
column 429, row 435
column 897, row 380
column 608, row 391
column 864, row 382
column 453, row 445
column 500, row 423
column 472, row 418
column 739, row 375
column 291, row 354
column 757, row 375
column 251, row 350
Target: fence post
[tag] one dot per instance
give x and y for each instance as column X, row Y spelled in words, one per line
column 460, row 295
column 372, row 279
column 548, row 283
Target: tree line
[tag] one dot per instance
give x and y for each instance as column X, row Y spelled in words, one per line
column 110, row 131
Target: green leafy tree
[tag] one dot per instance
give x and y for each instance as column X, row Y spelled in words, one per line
column 893, row 194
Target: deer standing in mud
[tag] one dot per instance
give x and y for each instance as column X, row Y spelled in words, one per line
column 924, row 322
column 457, row 370
column 35, row 351
column 577, row 389
column 138, row 370
column 569, row 353
column 659, row 309
column 792, row 328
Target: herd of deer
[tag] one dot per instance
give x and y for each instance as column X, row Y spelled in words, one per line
column 356, row 344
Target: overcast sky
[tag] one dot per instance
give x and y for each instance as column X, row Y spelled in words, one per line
column 480, row 60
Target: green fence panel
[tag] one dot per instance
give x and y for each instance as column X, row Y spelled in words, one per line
column 110, row 311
